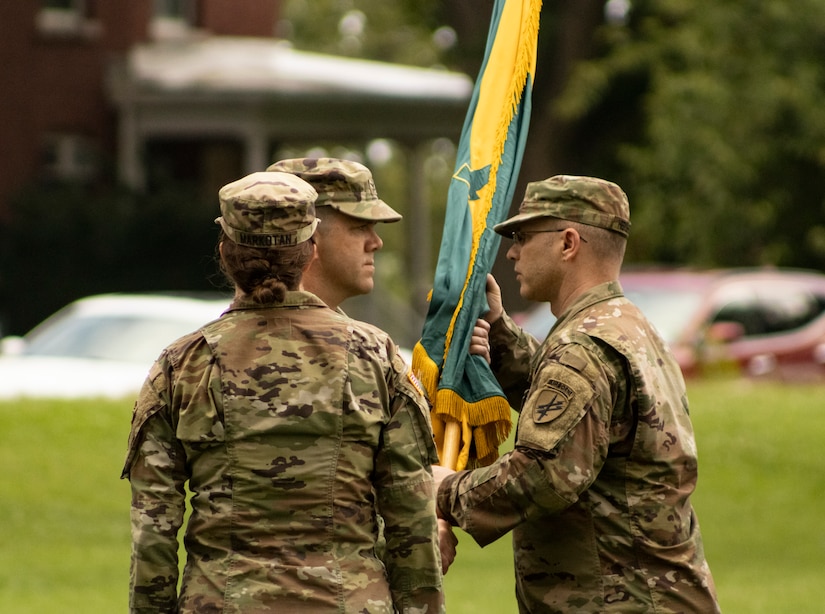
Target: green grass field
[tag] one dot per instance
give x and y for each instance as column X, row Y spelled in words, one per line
column 65, row 529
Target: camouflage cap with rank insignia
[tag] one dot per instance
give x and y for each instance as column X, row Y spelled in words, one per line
column 268, row 210
column 586, row 200
column 344, row 185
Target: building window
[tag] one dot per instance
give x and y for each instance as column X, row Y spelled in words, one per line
column 173, row 19
column 69, row 157
column 66, row 18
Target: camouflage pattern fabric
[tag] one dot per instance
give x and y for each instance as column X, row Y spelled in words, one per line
column 294, row 427
column 268, row 209
column 597, row 490
column 344, row 185
column 586, row 200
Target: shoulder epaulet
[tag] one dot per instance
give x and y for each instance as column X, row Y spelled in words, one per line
column 573, row 360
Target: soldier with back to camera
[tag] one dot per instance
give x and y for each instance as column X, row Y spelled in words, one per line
column 293, row 426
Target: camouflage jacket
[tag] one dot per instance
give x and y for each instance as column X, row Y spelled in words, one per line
column 294, row 426
column 597, row 489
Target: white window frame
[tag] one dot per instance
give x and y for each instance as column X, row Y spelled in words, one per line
column 72, row 157
column 72, row 21
column 173, row 19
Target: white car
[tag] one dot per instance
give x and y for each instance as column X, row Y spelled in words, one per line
column 99, row 346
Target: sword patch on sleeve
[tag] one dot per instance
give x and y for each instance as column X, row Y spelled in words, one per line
column 555, row 405
column 552, row 401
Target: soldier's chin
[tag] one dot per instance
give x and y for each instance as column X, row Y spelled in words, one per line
column 367, row 286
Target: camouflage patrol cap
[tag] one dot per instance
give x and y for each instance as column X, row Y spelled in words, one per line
column 586, row 200
column 268, row 210
column 344, row 185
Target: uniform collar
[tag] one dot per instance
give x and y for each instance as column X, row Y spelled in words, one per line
column 597, row 294
column 293, row 298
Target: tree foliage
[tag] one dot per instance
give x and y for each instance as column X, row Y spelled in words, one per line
column 402, row 31
column 708, row 114
column 727, row 165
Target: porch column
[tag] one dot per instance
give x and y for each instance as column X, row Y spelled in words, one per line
column 419, row 235
column 256, row 150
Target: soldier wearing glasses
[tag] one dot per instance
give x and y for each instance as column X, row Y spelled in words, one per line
column 597, row 489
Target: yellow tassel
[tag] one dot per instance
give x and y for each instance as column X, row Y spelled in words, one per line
column 425, row 370
column 485, row 424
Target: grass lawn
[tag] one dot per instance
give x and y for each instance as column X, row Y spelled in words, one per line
column 65, row 529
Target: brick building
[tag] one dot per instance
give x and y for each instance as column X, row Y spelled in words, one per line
column 199, row 90
column 56, row 118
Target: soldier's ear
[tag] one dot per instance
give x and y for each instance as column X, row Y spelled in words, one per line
column 314, row 254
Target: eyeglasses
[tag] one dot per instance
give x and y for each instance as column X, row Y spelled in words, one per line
column 520, row 236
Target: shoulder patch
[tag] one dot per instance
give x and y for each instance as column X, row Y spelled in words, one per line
column 557, row 402
column 573, row 360
column 551, row 401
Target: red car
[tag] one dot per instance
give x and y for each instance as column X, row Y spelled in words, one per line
column 755, row 322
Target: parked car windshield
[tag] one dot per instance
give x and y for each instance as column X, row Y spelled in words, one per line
column 667, row 309
column 113, row 337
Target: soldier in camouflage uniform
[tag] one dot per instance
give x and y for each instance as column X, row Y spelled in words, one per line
column 349, row 209
column 291, row 424
column 346, row 242
column 597, row 489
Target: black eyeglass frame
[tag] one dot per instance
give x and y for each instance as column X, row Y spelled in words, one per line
column 520, row 236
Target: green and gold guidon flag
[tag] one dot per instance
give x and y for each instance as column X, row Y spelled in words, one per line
column 471, row 416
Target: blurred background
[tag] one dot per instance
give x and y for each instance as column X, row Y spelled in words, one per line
column 119, row 121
